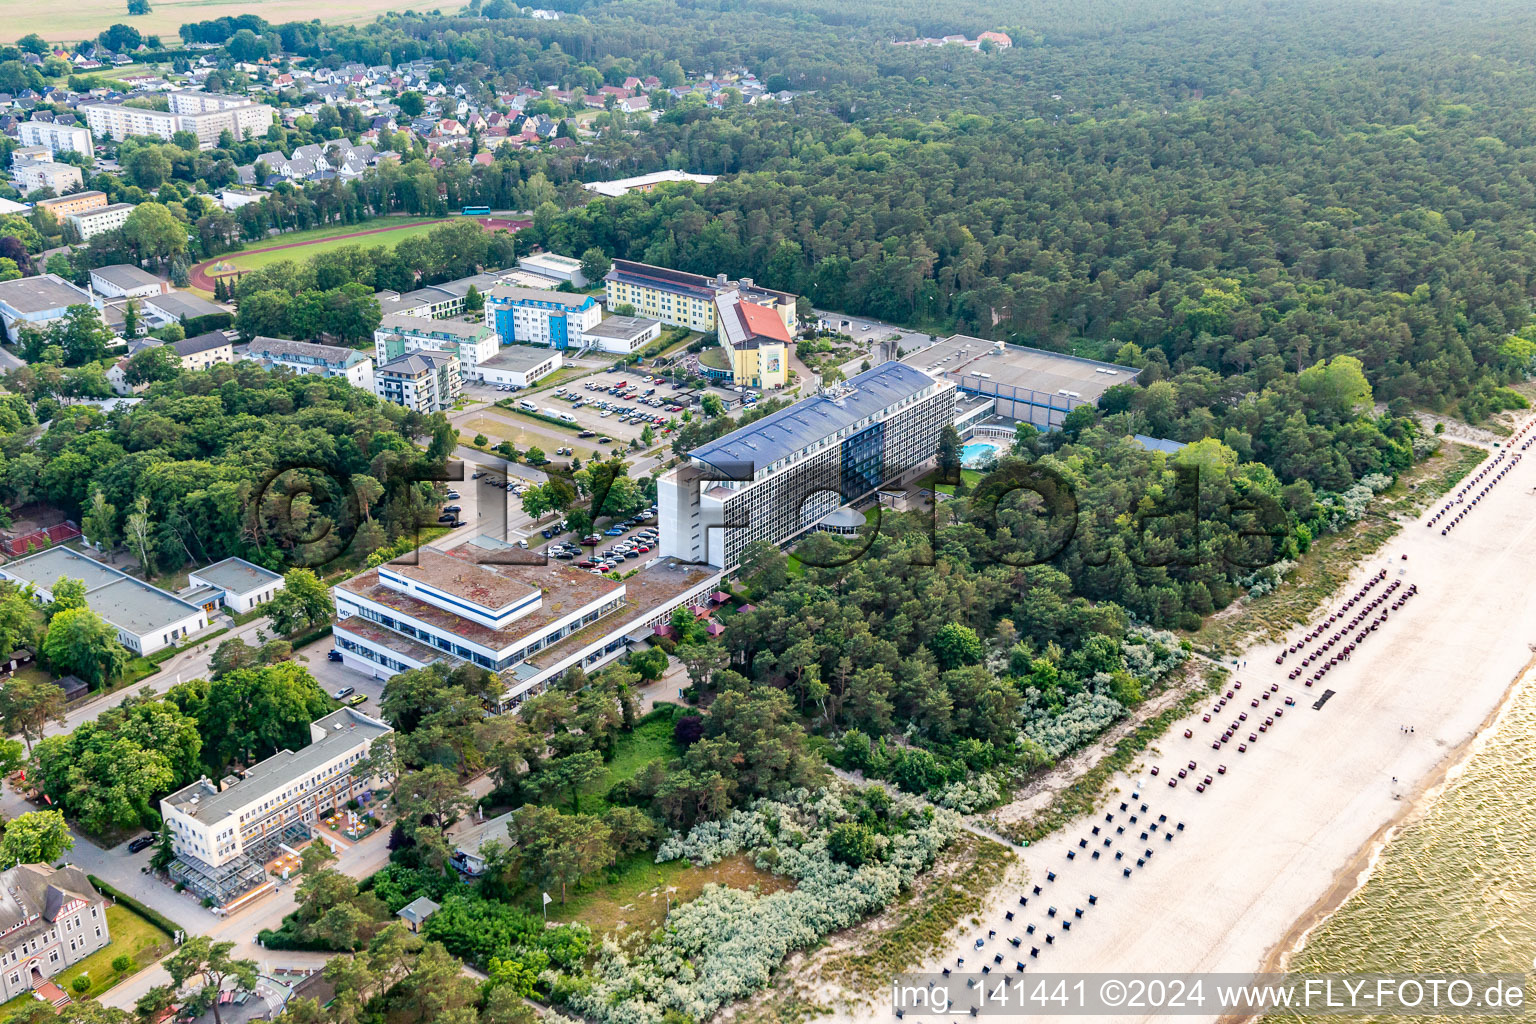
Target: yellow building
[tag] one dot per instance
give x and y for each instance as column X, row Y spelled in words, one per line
column 686, row 300
column 755, row 340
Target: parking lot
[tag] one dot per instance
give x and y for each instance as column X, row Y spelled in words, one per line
column 617, row 547
column 594, row 406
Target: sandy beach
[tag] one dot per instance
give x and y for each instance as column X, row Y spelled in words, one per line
column 1291, row 828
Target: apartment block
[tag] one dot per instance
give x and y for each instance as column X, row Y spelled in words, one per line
column 58, row 138
column 205, row 115
column 308, row 357
column 98, row 219
column 533, row 316
column 399, row 334
column 30, row 177
column 76, row 202
column 425, row 381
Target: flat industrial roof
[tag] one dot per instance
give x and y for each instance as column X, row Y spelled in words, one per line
column 236, row 575
column 976, row 362
column 184, row 306
column 621, row 327
column 48, row 567
column 126, row 275
column 519, row 357
column 283, row 768
column 41, row 293
column 129, row 604
column 781, row 434
column 542, row 296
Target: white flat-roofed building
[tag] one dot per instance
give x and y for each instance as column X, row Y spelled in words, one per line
column 123, row 280
column 30, row 177
column 528, row 623
column 222, row 832
column 647, row 182
column 309, row 357
column 555, row 267
column 234, row 584
column 622, row 334
column 37, row 302
column 205, row 115
column 146, row 618
column 779, row 476
column 90, row 223
column 59, row 138
column 520, row 366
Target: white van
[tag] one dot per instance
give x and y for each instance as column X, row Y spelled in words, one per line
column 568, row 417
column 529, row 406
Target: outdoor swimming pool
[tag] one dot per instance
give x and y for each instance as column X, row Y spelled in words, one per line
column 975, row 454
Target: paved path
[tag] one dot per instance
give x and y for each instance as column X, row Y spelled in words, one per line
column 360, row 860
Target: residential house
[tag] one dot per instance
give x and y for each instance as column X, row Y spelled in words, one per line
column 50, row 919
column 204, row 350
column 309, row 358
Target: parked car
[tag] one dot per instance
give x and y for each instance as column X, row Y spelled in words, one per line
column 356, row 699
column 446, row 517
column 332, row 655
column 141, row 843
column 452, row 508
column 453, row 495
column 344, row 692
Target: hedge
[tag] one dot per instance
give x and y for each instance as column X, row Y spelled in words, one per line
column 153, row 916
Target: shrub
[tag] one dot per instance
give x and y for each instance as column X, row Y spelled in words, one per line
column 81, row 985
column 727, row 943
column 122, row 963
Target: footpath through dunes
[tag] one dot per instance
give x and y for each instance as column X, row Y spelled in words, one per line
column 202, row 279
column 1293, row 818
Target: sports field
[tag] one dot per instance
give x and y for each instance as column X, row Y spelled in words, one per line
column 84, row 19
column 305, row 244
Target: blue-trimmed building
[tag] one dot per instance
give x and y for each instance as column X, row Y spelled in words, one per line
column 778, row 477
column 533, row 316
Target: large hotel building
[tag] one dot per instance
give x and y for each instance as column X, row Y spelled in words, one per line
column 778, row 477
column 496, row 606
column 687, row 300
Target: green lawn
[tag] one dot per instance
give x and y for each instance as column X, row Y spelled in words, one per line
column 652, row 738
column 131, row 934
column 317, row 241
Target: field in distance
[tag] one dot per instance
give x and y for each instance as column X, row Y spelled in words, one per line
column 302, row 245
column 84, row 19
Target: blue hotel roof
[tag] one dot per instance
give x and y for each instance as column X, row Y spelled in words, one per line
column 808, row 421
